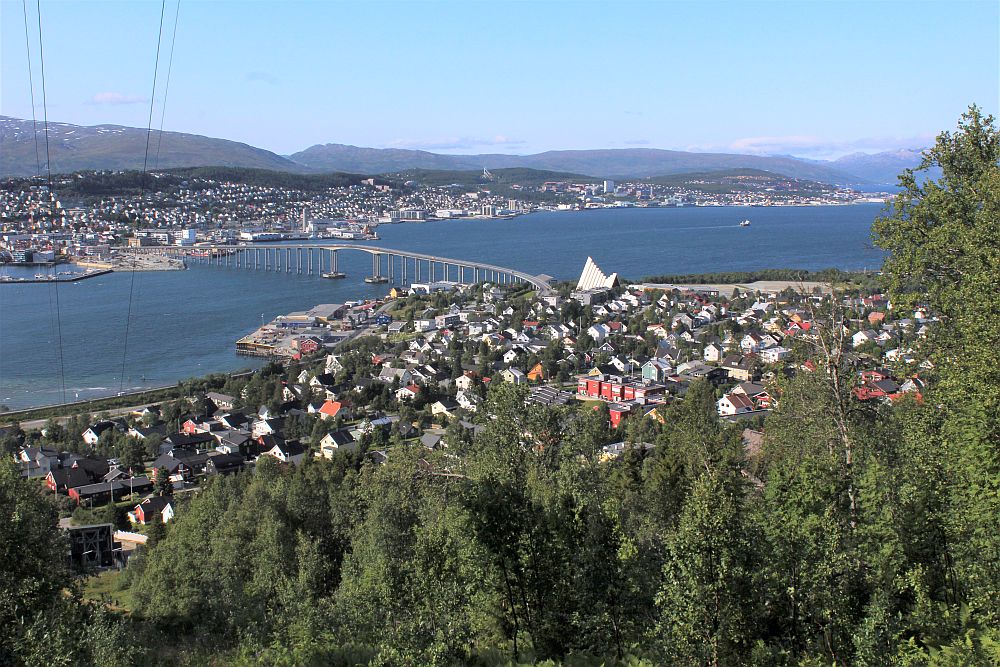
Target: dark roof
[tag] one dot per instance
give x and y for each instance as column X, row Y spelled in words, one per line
column 184, row 440
column 69, row 477
column 430, row 440
column 234, row 418
column 292, row 448
column 224, row 462
column 326, row 379
column 342, row 438
column 167, row 461
column 270, row 440
column 146, row 431
column 153, row 505
column 888, row 386
column 94, row 468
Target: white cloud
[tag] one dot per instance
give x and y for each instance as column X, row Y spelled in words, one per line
column 454, row 143
column 117, row 99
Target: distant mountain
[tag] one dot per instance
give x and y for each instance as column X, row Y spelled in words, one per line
column 76, row 147
column 605, row 163
column 330, row 157
column 878, row 167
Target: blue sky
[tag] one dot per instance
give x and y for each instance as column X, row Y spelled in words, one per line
column 815, row 79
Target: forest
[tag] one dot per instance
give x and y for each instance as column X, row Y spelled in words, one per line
column 856, row 534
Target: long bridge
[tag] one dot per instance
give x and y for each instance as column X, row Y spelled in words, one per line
column 388, row 265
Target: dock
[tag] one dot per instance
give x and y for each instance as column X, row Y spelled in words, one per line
column 11, row 280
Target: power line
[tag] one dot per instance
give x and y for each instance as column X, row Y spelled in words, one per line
column 31, row 87
column 48, row 172
column 166, row 88
column 142, row 194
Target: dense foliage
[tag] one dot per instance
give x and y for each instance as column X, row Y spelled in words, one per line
column 835, row 276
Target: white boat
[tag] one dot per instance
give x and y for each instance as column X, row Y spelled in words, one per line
column 745, row 223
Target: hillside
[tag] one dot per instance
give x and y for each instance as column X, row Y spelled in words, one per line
column 605, row 163
column 75, row 148
column 506, row 176
column 879, row 167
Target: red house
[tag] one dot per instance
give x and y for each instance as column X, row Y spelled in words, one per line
column 619, row 411
column 615, row 389
column 150, row 507
column 306, row 344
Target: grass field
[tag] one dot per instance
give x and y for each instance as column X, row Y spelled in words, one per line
column 106, row 587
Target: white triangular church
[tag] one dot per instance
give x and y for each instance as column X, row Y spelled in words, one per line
column 593, row 278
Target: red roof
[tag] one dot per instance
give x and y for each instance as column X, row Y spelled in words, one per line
column 331, row 408
column 740, row 400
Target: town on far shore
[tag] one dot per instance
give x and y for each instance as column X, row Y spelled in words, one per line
column 90, row 217
column 359, row 383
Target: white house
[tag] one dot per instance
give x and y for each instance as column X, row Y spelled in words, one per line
column 773, row 355
column 862, row 337
column 713, row 352
column 734, row 404
column 598, row 332
column 464, row 383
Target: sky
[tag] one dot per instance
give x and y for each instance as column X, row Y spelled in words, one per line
column 814, row 78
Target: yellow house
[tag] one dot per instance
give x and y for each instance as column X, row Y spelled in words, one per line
column 537, row 373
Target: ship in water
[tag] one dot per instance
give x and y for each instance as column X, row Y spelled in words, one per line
column 745, row 223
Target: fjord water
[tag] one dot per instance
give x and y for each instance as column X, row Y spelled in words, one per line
column 185, row 323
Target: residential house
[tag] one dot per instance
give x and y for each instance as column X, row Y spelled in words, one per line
column 288, row 451
column 537, row 373
column 734, row 404
column 712, row 353
column 513, row 376
column 739, row 367
column 151, row 507
column 332, row 410
column 221, row 401
column 446, row 406
column 407, row 393
column 336, row 442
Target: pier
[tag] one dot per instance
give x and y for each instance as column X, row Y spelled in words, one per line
column 10, row 280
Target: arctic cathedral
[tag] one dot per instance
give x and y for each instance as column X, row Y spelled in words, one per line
column 593, row 278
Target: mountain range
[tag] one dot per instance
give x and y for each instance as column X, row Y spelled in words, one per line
column 76, row 148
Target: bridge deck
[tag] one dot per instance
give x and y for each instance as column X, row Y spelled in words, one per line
column 538, row 282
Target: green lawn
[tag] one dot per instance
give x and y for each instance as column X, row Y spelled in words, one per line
column 106, row 587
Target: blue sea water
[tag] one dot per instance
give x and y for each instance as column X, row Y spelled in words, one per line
column 185, row 323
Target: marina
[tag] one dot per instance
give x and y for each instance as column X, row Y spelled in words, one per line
column 61, row 277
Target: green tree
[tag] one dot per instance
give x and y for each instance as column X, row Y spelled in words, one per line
column 162, row 486
column 943, row 244
column 704, row 600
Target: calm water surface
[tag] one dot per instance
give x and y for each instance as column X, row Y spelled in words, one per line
column 185, row 323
